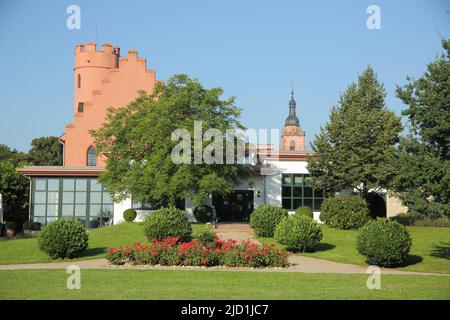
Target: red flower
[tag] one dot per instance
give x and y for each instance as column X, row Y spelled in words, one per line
column 203, row 260
column 272, row 244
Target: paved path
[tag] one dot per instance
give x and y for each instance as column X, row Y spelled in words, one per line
column 226, row 231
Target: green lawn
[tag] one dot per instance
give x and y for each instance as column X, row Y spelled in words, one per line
column 430, row 250
column 204, row 284
column 26, row 250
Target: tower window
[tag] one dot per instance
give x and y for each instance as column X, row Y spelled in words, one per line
column 79, row 81
column 80, row 106
column 91, row 157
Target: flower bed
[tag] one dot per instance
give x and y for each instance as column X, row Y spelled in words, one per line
column 170, row 252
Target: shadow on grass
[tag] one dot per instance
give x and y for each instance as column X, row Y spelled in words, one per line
column 441, row 251
column 89, row 252
column 410, row 261
column 324, row 247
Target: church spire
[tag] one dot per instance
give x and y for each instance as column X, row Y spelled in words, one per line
column 292, row 118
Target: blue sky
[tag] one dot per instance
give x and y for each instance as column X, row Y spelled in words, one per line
column 252, row 49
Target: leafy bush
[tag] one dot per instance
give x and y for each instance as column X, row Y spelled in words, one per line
column 298, row 233
column 167, row 222
column 203, row 214
column 170, row 252
column 384, row 242
column 344, row 212
column 11, row 225
column 63, row 239
column 304, row 211
column 442, row 222
column 207, row 238
column 418, row 220
column 129, row 215
column 28, row 225
column 265, row 218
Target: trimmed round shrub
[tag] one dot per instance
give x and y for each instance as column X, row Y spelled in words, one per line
column 298, row 233
column 167, row 222
column 384, row 242
column 265, row 218
column 63, row 239
column 304, row 211
column 344, row 212
column 129, row 215
column 203, row 214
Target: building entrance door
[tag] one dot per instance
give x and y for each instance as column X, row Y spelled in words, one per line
column 234, row 207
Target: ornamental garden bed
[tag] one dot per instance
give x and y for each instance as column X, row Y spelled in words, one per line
column 171, row 252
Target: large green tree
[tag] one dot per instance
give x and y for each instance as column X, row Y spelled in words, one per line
column 46, row 151
column 136, row 141
column 355, row 148
column 423, row 179
column 14, row 189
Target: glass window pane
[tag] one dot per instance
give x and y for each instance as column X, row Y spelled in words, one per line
column 297, row 192
column 81, row 184
column 95, row 210
column 67, row 210
column 80, row 210
column 307, row 191
column 297, row 203
column 96, row 197
column 287, row 179
column 107, row 198
column 308, row 203
column 40, row 184
column 95, row 185
column 52, row 197
column 68, row 197
column 39, row 197
column 39, row 210
column 52, row 210
column 286, row 191
column 317, row 204
column 286, row 204
column 68, row 184
column 107, row 211
column 298, row 179
column 53, row 184
column 318, row 193
column 80, row 197
column 41, row 220
column 50, row 219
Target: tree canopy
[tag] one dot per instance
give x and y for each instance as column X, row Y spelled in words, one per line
column 423, row 179
column 137, row 143
column 356, row 147
column 46, row 151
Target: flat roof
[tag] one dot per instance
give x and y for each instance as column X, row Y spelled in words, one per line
column 61, row 171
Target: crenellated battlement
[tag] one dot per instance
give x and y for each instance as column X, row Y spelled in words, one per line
column 86, row 55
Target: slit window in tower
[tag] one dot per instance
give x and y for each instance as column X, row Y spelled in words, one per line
column 80, row 106
column 79, row 81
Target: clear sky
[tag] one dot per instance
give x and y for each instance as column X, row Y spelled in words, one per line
column 252, row 49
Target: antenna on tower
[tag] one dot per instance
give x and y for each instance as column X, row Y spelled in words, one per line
column 292, row 89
